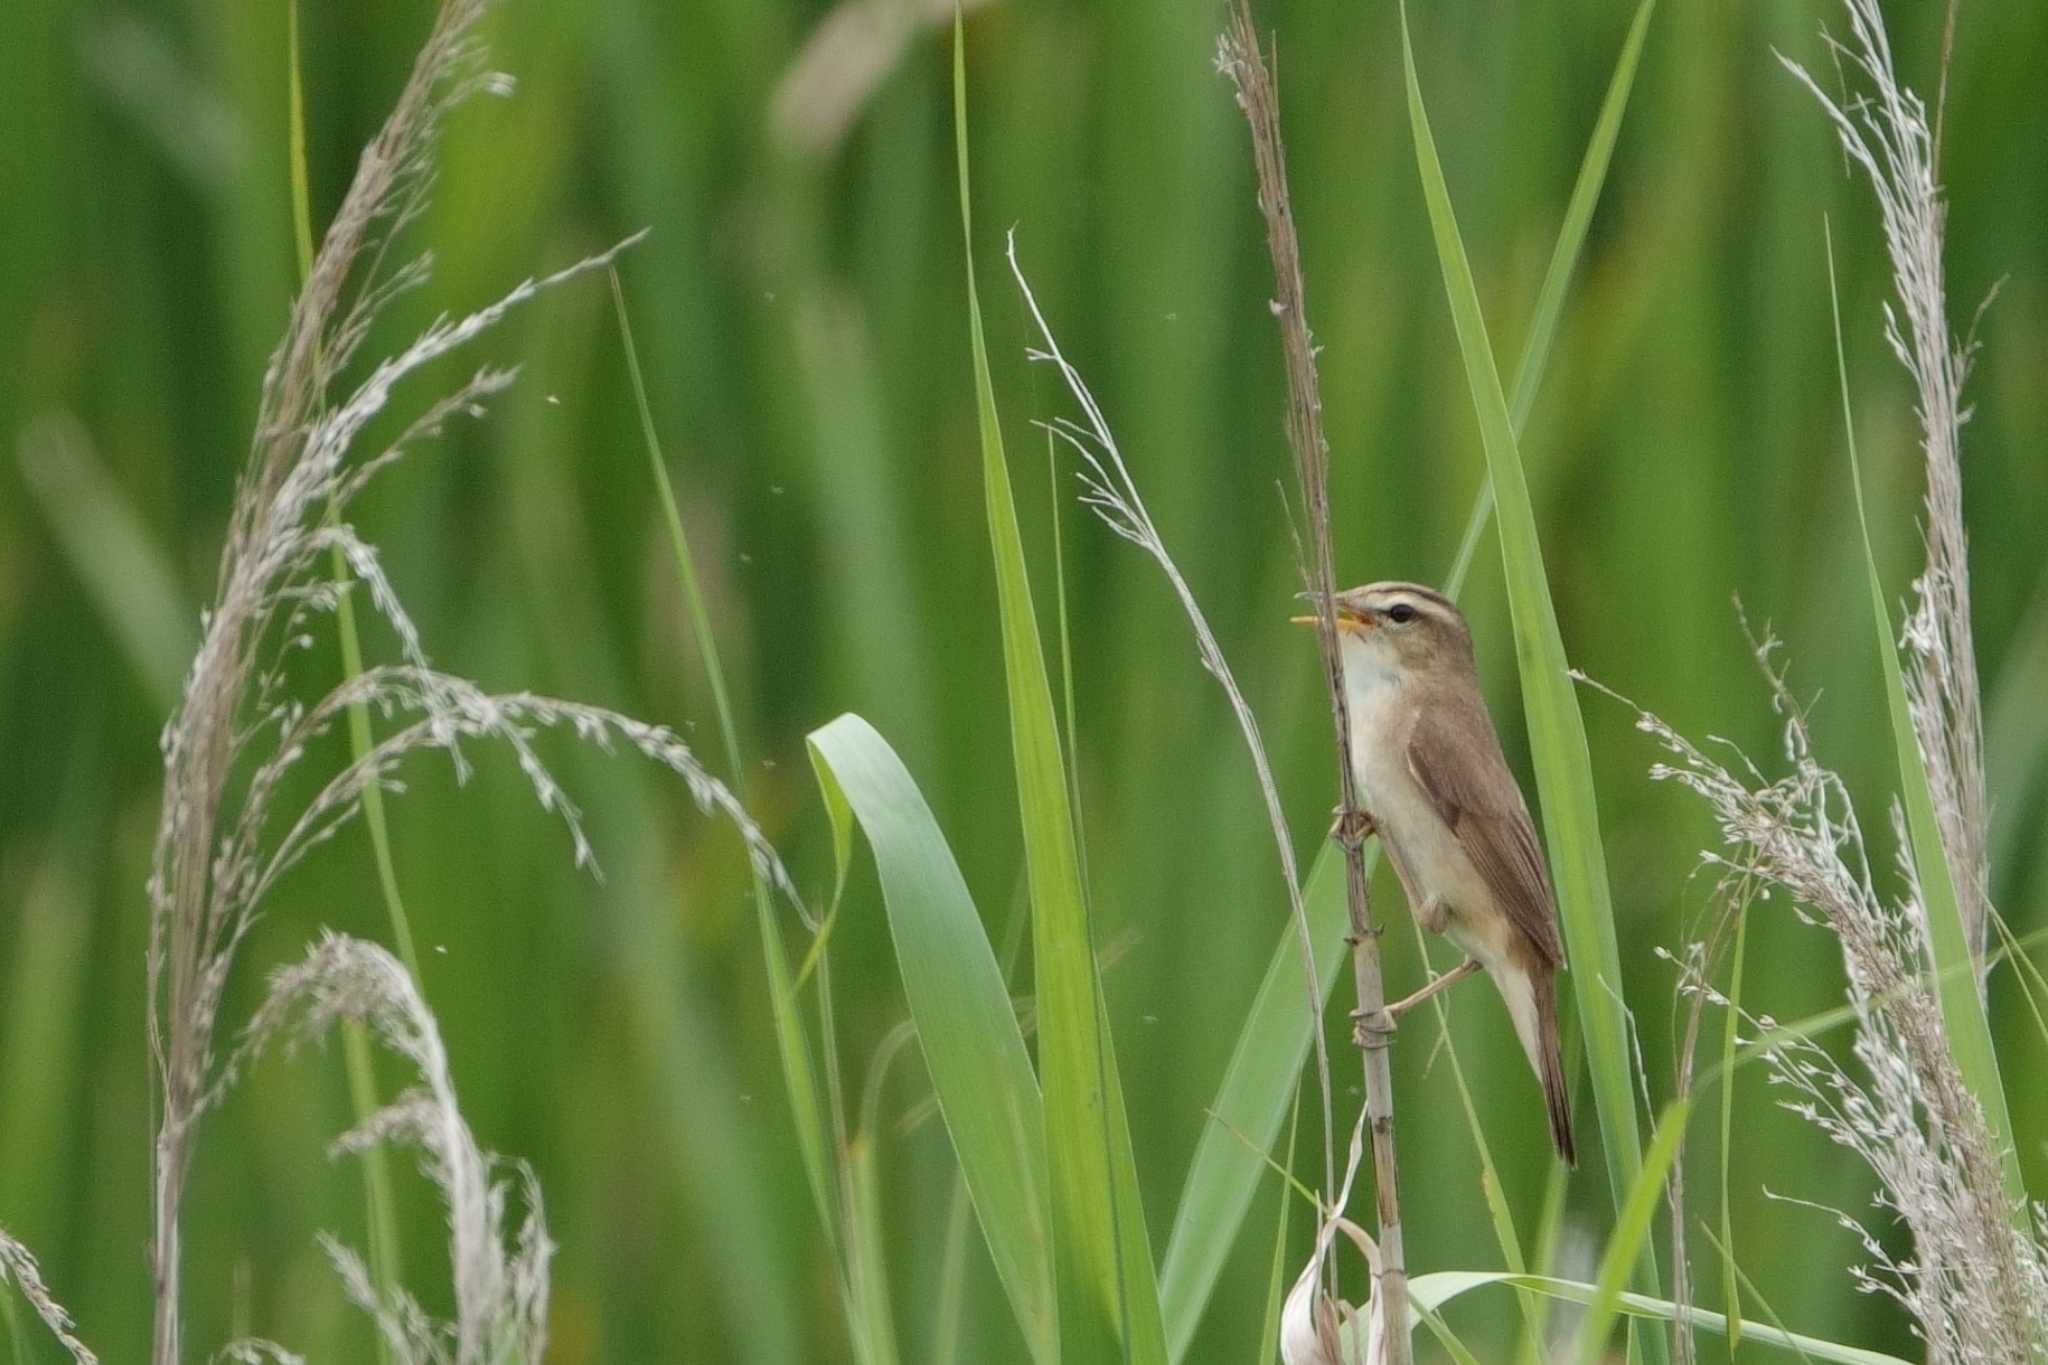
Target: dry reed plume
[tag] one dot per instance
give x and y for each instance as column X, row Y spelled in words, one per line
column 222, row 846
column 1976, row 1287
column 1885, row 132
column 1976, row 1280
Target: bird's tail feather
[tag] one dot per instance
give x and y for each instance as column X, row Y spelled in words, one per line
column 1551, row 1069
column 1530, row 991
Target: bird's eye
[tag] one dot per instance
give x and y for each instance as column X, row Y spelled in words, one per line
column 1400, row 613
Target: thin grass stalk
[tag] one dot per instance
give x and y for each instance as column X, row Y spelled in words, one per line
column 238, row 733
column 1241, row 59
column 1112, row 493
column 194, row 929
column 1730, row 1015
column 1104, row 1276
column 1217, row 1184
column 379, row 1202
column 837, row 1186
column 1276, row 1281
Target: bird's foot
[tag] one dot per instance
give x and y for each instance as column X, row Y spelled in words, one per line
column 1372, row 1030
column 1350, row 828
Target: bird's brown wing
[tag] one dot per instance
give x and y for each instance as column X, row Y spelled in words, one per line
column 1456, row 759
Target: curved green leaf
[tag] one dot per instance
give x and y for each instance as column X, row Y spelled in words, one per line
column 1557, row 732
column 966, row 1024
column 1108, row 1292
column 1434, row 1290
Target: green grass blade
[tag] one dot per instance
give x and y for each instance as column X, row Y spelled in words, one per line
column 1438, row 1288
column 1814, row 1025
column 12, row 1321
column 1277, row 1279
column 966, row 1025
column 1108, row 1297
column 1564, row 260
column 1503, row 1219
column 1549, row 1238
column 1747, row 1286
column 1557, row 732
column 1730, row 1290
column 1458, row 1350
column 124, row 571
column 799, row 1076
column 949, row 1302
column 867, row 1258
column 1252, row 1100
column 1962, row 1006
column 1631, row 1232
column 1273, row 1043
column 1578, row 216
column 1059, row 594
column 386, row 1269
column 295, row 135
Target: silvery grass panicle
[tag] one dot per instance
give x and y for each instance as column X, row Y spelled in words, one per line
column 1976, row 1287
column 501, row 1282
column 18, row 1265
column 1885, row 132
column 221, row 846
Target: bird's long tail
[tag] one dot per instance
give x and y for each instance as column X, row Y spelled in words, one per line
column 1531, row 998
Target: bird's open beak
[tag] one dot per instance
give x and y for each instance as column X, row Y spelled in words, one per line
column 1347, row 619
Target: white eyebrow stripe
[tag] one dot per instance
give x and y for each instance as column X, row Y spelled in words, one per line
column 1430, row 605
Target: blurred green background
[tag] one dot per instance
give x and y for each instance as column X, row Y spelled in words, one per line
column 801, row 313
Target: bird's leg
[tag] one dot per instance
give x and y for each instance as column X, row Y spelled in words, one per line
column 1401, row 1007
column 1435, row 914
column 1442, row 983
column 1351, row 828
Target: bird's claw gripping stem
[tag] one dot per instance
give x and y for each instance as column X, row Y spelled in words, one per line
column 1351, row 828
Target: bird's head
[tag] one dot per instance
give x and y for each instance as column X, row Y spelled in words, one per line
column 1402, row 628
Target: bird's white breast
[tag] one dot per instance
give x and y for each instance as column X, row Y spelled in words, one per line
column 1424, row 849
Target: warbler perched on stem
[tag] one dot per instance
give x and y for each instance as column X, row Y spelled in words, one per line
column 1437, row 791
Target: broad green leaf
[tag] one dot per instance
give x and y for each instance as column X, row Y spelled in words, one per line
column 1557, row 732
column 1438, row 1288
column 1108, row 1296
column 1962, row 1005
column 966, row 1024
column 1221, row 1178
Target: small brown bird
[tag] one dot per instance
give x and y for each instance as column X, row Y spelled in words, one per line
column 1438, row 792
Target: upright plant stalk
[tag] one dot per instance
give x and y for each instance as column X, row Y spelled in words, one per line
column 381, row 1207
column 1241, row 60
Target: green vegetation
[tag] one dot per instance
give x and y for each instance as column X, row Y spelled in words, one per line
column 1014, row 1082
